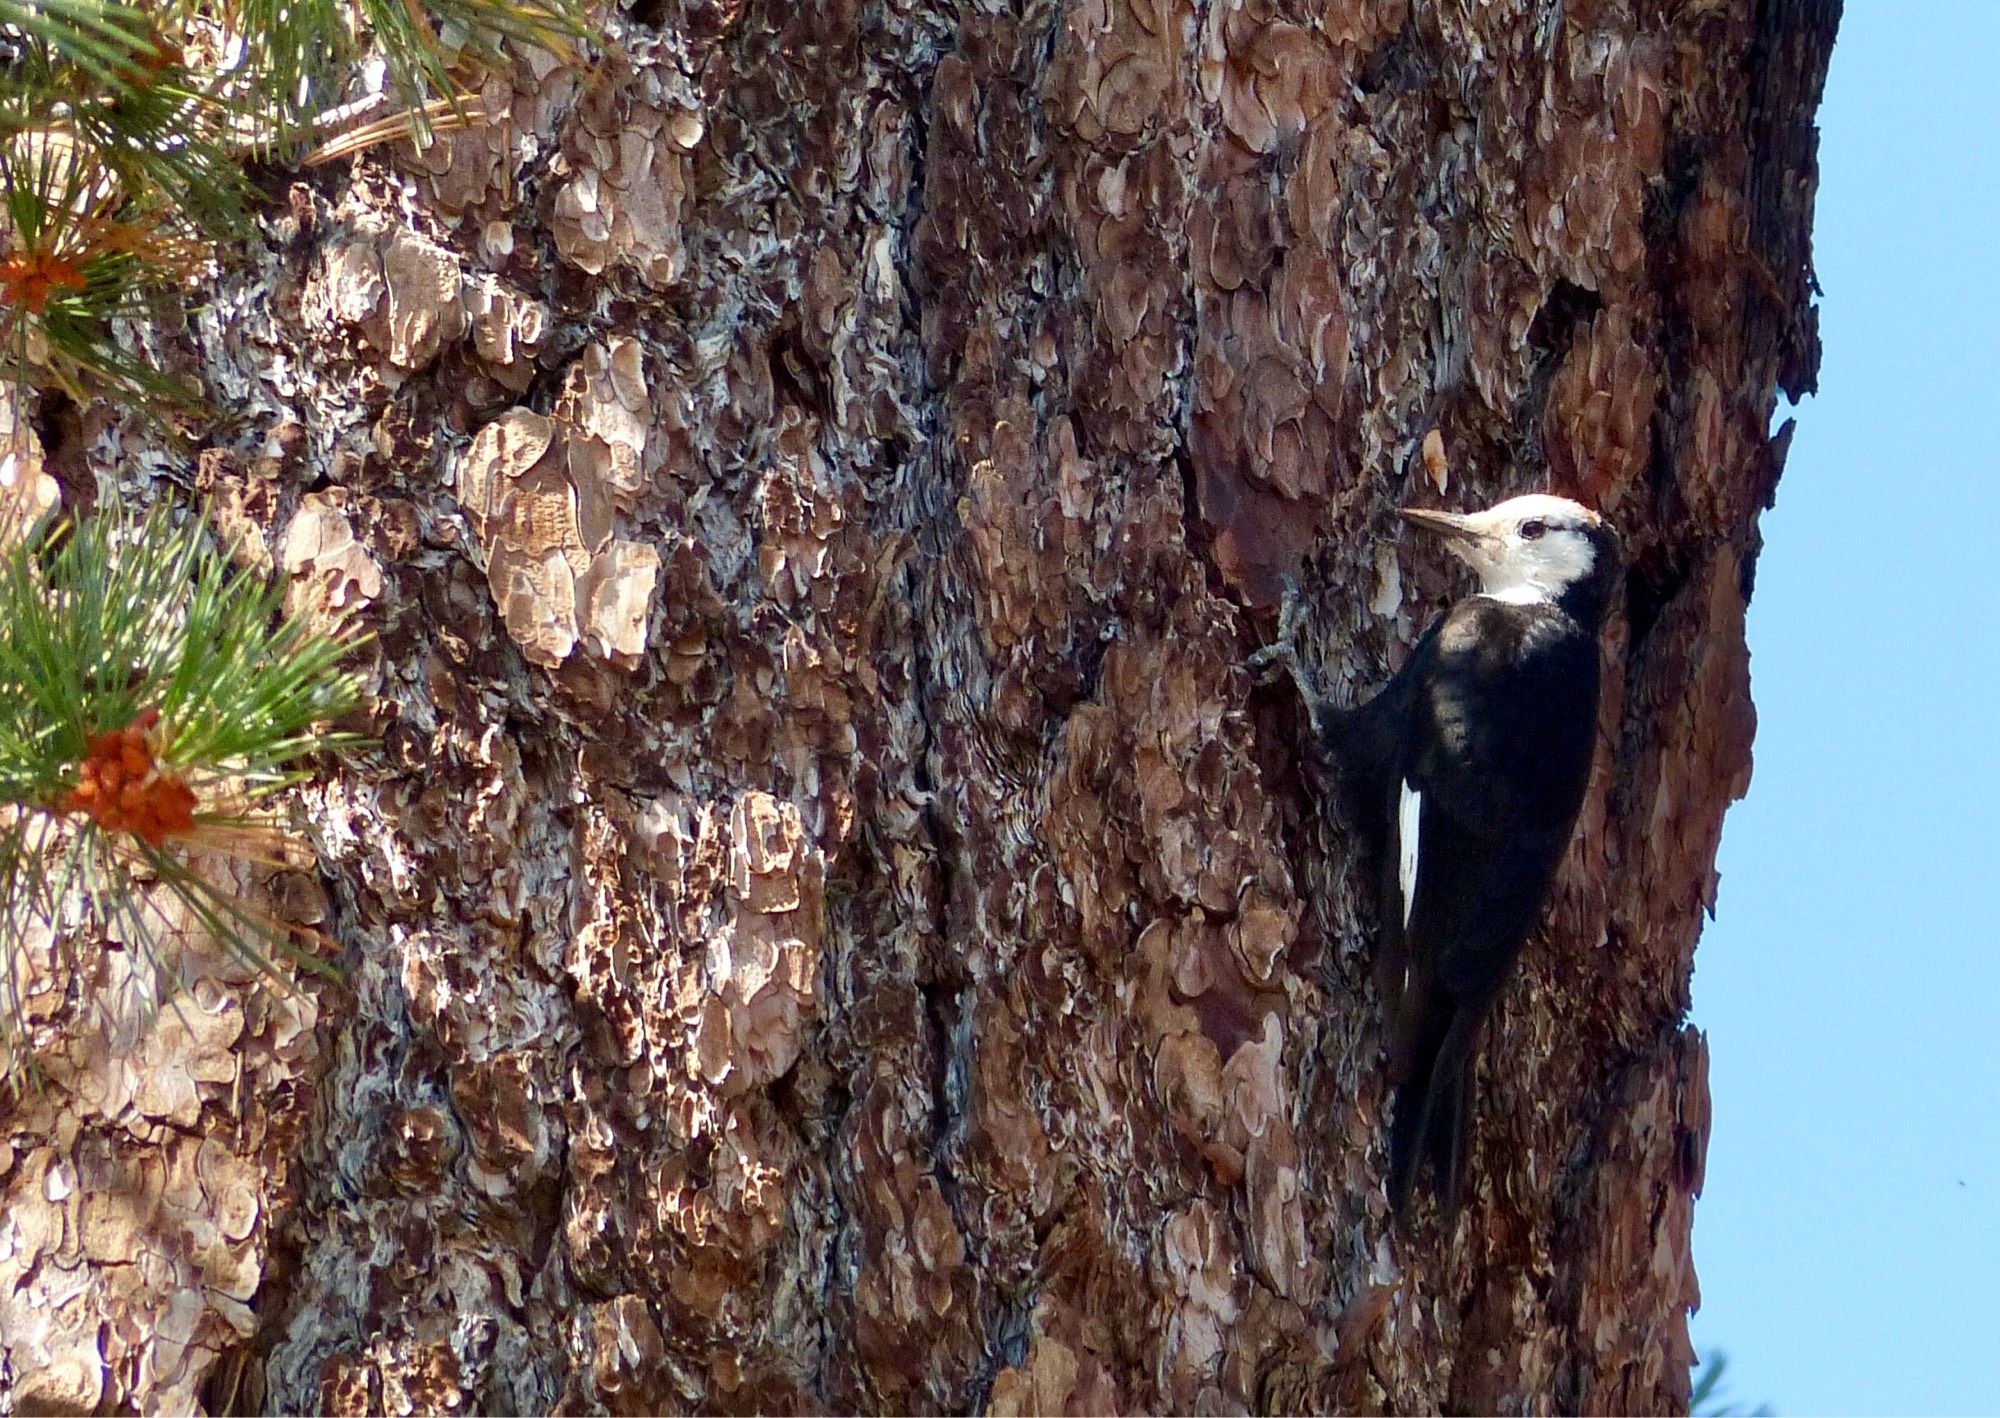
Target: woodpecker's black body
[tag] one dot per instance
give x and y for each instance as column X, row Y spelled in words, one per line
column 1467, row 772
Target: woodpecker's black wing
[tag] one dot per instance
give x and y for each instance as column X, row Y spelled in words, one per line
column 1368, row 745
column 1498, row 710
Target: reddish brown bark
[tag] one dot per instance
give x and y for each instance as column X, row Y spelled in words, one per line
column 832, row 924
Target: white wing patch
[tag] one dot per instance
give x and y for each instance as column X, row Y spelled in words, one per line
column 1409, row 814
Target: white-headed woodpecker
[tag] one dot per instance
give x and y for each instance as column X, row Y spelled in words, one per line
column 1467, row 772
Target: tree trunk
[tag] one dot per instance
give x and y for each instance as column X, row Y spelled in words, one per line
column 831, row 924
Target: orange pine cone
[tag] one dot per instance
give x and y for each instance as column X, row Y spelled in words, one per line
column 121, row 785
column 29, row 278
column 173, row 807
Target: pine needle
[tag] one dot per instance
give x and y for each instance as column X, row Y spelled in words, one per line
column 123, row 131
column 137, row 667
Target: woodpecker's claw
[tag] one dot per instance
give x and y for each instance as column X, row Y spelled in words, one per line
column 1282, row 654
column 1273, row 660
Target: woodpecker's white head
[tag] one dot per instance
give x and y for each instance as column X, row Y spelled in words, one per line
column 1531, row 549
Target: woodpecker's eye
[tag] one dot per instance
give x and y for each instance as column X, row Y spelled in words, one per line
column 1532, row 529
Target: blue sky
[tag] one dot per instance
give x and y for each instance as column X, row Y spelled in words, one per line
column 1849, row 1239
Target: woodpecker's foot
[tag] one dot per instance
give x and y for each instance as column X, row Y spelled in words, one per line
column 1281, row 656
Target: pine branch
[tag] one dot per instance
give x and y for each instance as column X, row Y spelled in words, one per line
column 153, row 700
column 80, row 256
column 124, row 130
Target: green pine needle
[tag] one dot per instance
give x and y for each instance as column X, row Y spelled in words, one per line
column 111, row 620
column 424, row 43
column 79, row 256
column 105, row 42
column 162, row 136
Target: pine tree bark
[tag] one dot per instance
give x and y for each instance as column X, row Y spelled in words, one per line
column 831, row 924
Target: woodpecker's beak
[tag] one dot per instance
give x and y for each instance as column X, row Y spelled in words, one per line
column 1452, row 526
column 1469, row 536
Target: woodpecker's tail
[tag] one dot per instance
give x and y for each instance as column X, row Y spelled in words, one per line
column 1434, row 1114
